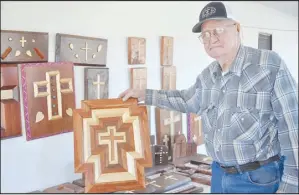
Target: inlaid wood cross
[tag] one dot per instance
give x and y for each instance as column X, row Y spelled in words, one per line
column 139, row 81
column 170, row 177
column 112, row 138
column 153, row 184
column 98, row 83
column 23, row 41
column 86, row 50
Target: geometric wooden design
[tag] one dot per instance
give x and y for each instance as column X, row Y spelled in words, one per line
column 168, row 124
column 166, row 51
column 65, row 188
column 10, row 102
column 112, row 144
column 48, row 98
column 180, row 146
column 168, row 74
column 136, row 50
column 23, row 46
column 138, row 78
column 81, row 50
column 194, row 129
column 96, row 83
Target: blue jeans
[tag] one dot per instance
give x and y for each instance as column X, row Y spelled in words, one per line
column 265, row 179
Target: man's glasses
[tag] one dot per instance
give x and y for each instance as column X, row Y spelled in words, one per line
column 205, row 36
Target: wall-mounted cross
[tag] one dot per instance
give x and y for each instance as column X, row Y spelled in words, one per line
column 98, row 83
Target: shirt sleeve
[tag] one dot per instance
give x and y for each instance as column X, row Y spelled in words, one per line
column 285, row 107
column 185, row 101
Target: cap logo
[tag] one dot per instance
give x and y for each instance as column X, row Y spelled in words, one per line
column 208, row 12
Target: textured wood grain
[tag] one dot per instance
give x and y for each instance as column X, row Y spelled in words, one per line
column 96, row 83
column 168, row 124
column 109, row 166
column 179, row 146
column 166, row 51
column 168, row 77
column 136, row 50
column 65, row 188
column 10, row 102
column 81, row 50
column 194, row 129
column 138, row 78
column 48, row 98
column 23, row 46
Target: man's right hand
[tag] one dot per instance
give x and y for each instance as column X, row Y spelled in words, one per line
column 135, row 93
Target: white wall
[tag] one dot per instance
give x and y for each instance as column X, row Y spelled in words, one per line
column 35, row 165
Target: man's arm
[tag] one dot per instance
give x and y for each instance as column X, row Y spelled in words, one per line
column 185, row 101
column 285, row 106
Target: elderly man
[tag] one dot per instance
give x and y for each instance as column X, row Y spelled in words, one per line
column 248, row 102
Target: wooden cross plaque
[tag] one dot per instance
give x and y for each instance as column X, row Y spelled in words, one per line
column 23, row 46
column 166, row 51
column 48, row 98
column 138, row 78
column 194, row 129
column 81, row 50
column 168, row 79
column 10, row 102
column 136, row 50
column 112, row 145
column 96, row 83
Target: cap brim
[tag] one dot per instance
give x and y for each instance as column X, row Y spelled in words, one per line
column 197, row 27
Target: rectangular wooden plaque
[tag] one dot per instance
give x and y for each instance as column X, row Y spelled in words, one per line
column 81, row 50
column 112, row 145
column 136, row 50
column 48, row 98
column 96, row 83
column 138, row 78
column 168, row 124
column 194, row 129
column 166, row 51
column 23, row 46
column 168, row 77
column 10, row 102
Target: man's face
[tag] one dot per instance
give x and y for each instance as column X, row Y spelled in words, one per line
column 219, row 37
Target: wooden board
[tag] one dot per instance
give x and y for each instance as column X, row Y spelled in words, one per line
column 65, row 188
column 194, row 129
column 23, row 46
column 138, row 78
column 48, row 98
column 10, row 102
column 201, row 178
column 166, row 51
column 160, row 153
column 111, row 167
column 81, row 50
column 168, row 124
column 136, row 50
column 168, row 77
column 191, row 149
column 96, row 83
column 179, row 146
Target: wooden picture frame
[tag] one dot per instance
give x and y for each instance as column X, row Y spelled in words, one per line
column 10, row 102
column 136, row 50
column 168, row 77
column 24, row 46
column 194, row 129
column 166, row 51
column 81, row 50
column 121, row 165
column 48, row 98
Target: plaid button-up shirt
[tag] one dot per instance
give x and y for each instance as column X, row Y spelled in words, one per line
column 248, row 114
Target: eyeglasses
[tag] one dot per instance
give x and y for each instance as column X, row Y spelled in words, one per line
column 205, row 36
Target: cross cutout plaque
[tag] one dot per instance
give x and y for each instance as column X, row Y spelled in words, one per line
column 138, row 78
column 23, row 41
column 153, row 183
column 168, row 74
column 98, row 83
column 86, row 50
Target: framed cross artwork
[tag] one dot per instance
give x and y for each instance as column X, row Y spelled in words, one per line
column 96, row 83
column 24, row 46
column 194, row 129
column 81, row 50
column 136, row 50
column 168, row 124
column 48, row 98
column 168, row 79
column 10, row 102
column 112, row 145
column 166, row 51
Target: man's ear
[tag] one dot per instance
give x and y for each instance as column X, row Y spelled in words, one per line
column 238, row 27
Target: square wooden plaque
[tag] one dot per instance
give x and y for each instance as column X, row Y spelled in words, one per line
column 10, row 102
column 136, row 50
column 166, row 51
column 24, row 46
column 96, row 83
column 194, row 129
column 81, row 50
column 168, row 79
column 48, row 98
column 112, row 145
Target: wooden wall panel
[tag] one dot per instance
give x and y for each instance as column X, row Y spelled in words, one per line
column 166, row 51
column 136, row 50
column 48, row 98
column 111, row 167
column 81, row 50
column 96, row 83
column 194, row 129
column 168, row 124
column 10, row 102
column 168, row 77
column 23, row 46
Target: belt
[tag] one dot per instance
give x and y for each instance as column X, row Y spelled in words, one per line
column 249, row 166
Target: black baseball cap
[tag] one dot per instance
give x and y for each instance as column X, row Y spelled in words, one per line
column 212, row 11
